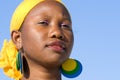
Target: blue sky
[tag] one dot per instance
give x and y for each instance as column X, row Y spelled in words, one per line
column 96, row 25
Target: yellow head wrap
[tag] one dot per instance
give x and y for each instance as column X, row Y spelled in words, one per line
column 21, row 12
column 9, row 51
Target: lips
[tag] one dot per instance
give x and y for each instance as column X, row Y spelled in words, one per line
column 57, row 46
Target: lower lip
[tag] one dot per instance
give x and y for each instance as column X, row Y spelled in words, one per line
column 56, row 48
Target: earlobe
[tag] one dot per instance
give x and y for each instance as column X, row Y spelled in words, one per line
column 16, row 38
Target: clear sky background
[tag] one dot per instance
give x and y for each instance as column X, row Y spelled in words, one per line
column 96, row 25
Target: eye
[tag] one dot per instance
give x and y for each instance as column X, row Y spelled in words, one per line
column 65, row 25
column 43, row 22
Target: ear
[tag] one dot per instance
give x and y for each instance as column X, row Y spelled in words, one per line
column 16, row 38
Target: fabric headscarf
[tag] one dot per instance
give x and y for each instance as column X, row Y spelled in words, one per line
column 9, row 51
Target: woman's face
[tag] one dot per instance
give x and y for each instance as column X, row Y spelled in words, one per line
column 46, row 34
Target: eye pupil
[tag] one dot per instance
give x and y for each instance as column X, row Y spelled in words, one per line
column 43, row 22
column 64, row 25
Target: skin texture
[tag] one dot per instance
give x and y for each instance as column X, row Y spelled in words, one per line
column 45, row 41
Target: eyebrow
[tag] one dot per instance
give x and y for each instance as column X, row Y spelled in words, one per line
column 67, row 19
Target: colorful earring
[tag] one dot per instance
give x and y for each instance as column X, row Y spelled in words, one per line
column 71, row 68
column 19, row 62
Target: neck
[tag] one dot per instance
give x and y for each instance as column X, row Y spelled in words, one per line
column 37, row 72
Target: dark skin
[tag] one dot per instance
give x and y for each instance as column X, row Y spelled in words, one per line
column 45, row 41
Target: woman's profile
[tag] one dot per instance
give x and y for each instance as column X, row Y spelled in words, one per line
column 41, row 42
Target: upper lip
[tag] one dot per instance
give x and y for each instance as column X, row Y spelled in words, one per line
column 57, row 43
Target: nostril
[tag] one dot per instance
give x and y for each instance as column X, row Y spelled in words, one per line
column 54, row 36
column 57, row 36
column 61, row 37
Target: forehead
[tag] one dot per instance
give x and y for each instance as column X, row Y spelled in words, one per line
column 50, row 6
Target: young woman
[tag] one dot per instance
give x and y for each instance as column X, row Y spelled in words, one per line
column 41, row 41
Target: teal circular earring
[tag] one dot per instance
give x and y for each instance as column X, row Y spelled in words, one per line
column 71, row 68
column 19, row 62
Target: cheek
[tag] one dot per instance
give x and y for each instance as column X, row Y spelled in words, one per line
column 33, row 44
column 33, row 39
column 70, row 41
column 69, row 38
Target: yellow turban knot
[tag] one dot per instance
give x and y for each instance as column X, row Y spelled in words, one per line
column 9, row 51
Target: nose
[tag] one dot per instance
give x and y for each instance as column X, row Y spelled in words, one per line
column 56, row 32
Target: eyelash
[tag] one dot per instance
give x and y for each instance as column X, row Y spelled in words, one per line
column 43, row 22
column 46, row 23
column 64, row 25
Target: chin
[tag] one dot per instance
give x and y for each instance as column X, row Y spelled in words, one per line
column 56, row 61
